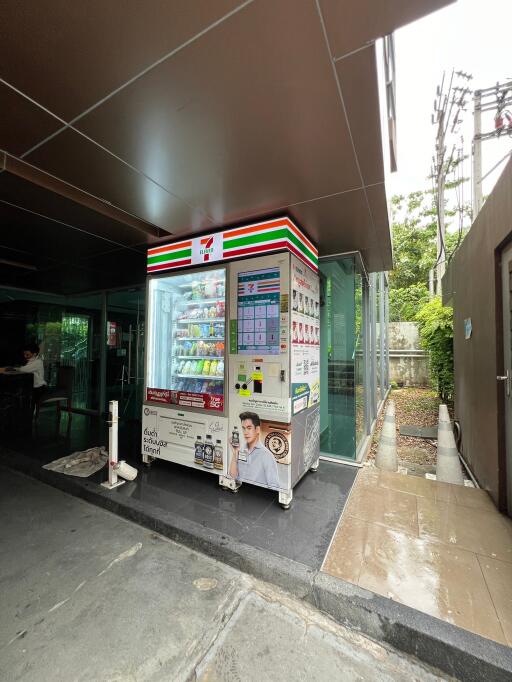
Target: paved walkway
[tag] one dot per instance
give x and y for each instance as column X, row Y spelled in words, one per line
column 439, row 548
column 88, row 596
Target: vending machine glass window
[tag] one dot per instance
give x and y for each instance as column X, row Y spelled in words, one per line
column 186, row 350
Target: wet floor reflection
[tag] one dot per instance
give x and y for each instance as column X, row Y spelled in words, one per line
column 252, row 515
column 441, row 549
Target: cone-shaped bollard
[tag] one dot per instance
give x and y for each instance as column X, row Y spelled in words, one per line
column 448, row 469
column 387, row 458
column 444, row 415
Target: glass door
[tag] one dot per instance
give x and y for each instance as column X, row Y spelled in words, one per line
column 186, row 348
column 125, row 350
column 342, row 423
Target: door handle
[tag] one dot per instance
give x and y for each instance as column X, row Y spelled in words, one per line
column 507, row 379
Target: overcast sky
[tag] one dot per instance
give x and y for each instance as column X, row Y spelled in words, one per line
column 469, row 35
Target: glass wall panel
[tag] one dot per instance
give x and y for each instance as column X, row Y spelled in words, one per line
column 64, row 328
column 338, row 361
column 125, row 350
column 378, row 377
column 359, row 359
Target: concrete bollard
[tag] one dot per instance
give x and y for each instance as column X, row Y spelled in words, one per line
column 444, row 415
column 448, row 468
column 387, row 458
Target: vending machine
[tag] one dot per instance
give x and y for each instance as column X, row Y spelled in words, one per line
column 233, row 356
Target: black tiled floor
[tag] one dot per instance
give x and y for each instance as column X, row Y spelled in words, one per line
column 252, row 515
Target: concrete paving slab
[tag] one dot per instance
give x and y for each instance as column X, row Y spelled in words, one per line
column 89, row 596
column 457, row 652
column 304, row 646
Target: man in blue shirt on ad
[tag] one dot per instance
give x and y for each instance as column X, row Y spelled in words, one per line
column 251, row 461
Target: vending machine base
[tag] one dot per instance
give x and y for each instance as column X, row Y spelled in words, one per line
column 285, row 498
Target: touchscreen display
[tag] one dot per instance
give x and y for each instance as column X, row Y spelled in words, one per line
column 258, row 311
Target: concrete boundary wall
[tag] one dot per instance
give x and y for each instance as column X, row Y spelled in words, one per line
column 408, row 362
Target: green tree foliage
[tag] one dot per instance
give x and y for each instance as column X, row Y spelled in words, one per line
column 436, row 334
column 405, row 302
column 414, row 225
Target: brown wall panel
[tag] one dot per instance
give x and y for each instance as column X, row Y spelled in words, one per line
column 473, row 280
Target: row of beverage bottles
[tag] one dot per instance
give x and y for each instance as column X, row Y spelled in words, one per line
column 217, row 310
column 207, row 453
column 198, row 386
column 212, row 330
column 200, row 348
column 207, row 367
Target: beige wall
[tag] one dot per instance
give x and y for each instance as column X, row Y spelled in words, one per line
column 470, row 283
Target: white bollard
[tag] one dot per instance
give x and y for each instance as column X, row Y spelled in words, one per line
column 387, row 458
column 126, row 471
column 112, row 447
column 448, row 468
column 444, row 415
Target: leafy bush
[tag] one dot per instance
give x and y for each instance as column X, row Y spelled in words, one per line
column 436, row 334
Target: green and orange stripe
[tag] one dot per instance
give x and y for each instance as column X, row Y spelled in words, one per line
column 170, row 256
column 252, row 240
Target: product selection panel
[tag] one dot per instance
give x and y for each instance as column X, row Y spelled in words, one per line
column 259, row 343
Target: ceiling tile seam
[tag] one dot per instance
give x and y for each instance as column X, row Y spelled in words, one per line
column 79, row 189
column 159, row 61
column 352, row 52
column 146, row 70
column 69, row 126
column 72, row 227
column 124, row 248
column 320, row 198
column 342, row 100
column 28, row 253
column 256, row 214
column 49, row 261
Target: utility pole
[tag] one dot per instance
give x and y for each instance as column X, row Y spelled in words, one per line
column 448, row 108
column 477, row 153
column 496, row 99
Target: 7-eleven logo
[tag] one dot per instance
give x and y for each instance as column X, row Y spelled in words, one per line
column 206, row 248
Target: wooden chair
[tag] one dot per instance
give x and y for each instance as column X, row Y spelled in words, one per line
column 62, row 393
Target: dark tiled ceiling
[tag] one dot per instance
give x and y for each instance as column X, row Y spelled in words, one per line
column 21, row 123
column 26, row 231
column 80, row 162
column 379, row 211
column 345, row 213
column 189, row 116
column 360, row 94
column 20, row 192
column 69, row 55
column 252, row 117
column 72, row 248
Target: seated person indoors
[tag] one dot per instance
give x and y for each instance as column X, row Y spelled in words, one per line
column 33, row 365
column 251, row 461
